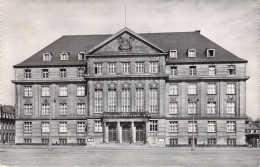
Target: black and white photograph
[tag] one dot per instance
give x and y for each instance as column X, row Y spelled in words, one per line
column 129, row 83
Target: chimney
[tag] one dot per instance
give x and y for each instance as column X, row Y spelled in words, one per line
column 198, row 31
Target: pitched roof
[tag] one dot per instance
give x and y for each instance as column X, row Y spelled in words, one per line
column 181, row 41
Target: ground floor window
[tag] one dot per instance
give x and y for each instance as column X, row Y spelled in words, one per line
column 190, row 141
column 212, row 142
column 153, row 125
column 81, row 141
column 231, row 142
column 62, row 141
column 27, row 141
column 173, row 142
column 45, row 140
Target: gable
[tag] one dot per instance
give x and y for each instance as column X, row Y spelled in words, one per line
column 125, row 42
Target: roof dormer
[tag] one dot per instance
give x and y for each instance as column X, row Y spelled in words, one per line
column 210, row 53
column 191, row 53
column 82, row 56
column 64, row 56
column 173, row 54
column 46, row 56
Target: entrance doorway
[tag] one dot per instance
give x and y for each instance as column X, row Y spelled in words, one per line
column 112, row 133
column 140, row 133
column 126, row 134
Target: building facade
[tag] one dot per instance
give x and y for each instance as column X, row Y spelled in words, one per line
column 155, row 88
column 7, row 124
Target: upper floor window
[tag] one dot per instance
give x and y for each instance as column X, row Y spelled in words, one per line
column 46, row 56
column 212, row 126
column 81, row 126
column 125, row 100
column 153, row 125
column 28, row 109
column 139, row 100
column 80, row 90
column 64, row 56
column 153, row 67
column 81, row 72
column 98, row 68
column 191, row 53
column 173, row 54
column 45, row 90
column 212, row 88
column 231, row 126
column 212, row 70
column 211, row 107
column 112, row 100
column 125, row 68
column 63, row 127
column 174, row 70
column 210, row 52
column 173, row 108
column 63, row 73
column 81, row 56
column 27, row 127
column 193, row 70
column 231, row 88
column 98, row 101
column 173, row 90
column 63, row 108
column 81, row 108
column 192, row 88
column 63, row 91
column 45, row 109
column 231, row 106
column 98, row 126
column 231, row 70
column 45, row 127
column 45, row 73
column 192, row 107
column 153, row 100
column 27, row 73
column 111, row 68
column 173, row 126
column 192, row 127
column 27, row 91
column 139, row 67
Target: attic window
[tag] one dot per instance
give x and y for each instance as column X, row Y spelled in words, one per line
column 64, row 56
column 192, row 53
column 46, row 56
column 81, row 56
column 210, row 52
column 173, row 54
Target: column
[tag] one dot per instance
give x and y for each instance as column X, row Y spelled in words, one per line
column 105, row 132
column 146, row 131
column 133, row 132
column 118, row 133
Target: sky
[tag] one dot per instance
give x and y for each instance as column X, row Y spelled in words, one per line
column 30, row 25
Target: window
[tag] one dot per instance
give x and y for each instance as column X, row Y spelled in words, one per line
column 45, row 73
column 173, row 90
column 81, row 56
column 174, row 70
column 231, row 142
column 80, row 90
column 153, row 125
column 27, row 73
column 212, row 70
column 98, row 126
column 64, row 56
column 27, row 127
column 192, row 107
column 63, row 73
column 28, row 91
column 210, row 52
column 80, row 108
column 191, row 53
column 212, row 88
column 111, row 68
column 231, row 107
column 231, row 88
column 45, row 91
column 231, row 126
column 45, row 109
column 193, row 70
column 231, row 70
column 62, row 141
column 192, row 88
column 81, row 72
column 125, row 100
column 173, row 108
column 98, row 68
column 173, row 126
column 45, row 141
column 45, row 127
column 173, row 54
column 192, row 127
column 211, row 107
column 63, row 91
column 111, row 100
column 80, row 126
column 27, row 141
column 81, row 141
column 173, row 142
column 190, row 141
column 153, row 100
column 28, row 109
column 125, row 68
column 63, row 127
column 153, row 67
column 139, row 99
column 139, row 68
column 212, row 142
column 46, row 57
column 98, row 101
column 63, row 108
column 212, row 126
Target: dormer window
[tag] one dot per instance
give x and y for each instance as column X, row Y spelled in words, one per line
column 46, row 56
column 64, row 56
column 81, row 56
column 210, row 52
column 173, row 54
column 192, row 53
column 231, row 70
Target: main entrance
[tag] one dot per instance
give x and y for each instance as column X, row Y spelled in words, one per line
column 126, row 134
column 112, row 133
column 140, row 133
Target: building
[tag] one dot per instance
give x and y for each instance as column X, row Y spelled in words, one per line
column 253, row 133
column 7, row 124
column 132, row 88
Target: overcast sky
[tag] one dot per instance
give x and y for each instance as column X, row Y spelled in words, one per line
column 30, row 25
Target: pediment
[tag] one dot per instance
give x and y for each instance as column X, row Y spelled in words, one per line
column 125, row 42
